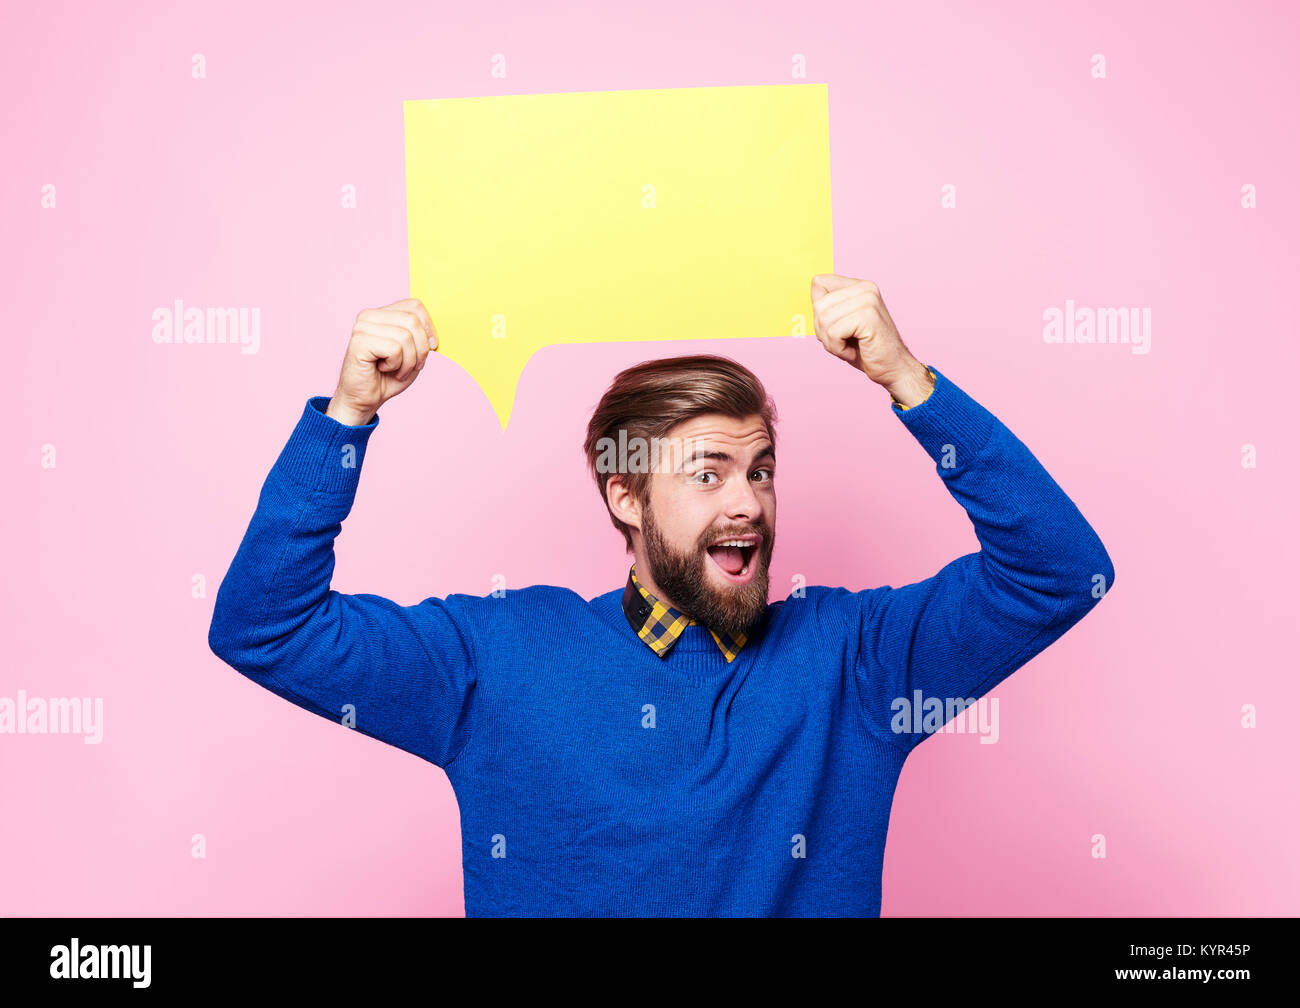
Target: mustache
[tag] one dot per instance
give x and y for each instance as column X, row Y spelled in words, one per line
column 758, row 530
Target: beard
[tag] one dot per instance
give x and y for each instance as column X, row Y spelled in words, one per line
column 729, row 610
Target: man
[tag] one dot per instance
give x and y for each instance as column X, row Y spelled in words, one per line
column 676, row 746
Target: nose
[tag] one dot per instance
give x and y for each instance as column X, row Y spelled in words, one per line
column 742, row 503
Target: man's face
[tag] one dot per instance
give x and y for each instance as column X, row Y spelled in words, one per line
column 721, row 487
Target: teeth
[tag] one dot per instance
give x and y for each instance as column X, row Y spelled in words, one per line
column 734, row 542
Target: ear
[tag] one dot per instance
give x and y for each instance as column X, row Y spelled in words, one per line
column 622, row 504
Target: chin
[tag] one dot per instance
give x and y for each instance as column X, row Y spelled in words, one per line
column 745, row 601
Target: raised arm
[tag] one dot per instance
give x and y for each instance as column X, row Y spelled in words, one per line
column 402, row 674
column 1040, row 568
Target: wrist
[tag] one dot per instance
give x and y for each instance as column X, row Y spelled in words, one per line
column 912, row 386
column 348, row 415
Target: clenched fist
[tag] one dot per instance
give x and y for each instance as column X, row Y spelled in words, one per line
column 388, row 349
column 851, row 320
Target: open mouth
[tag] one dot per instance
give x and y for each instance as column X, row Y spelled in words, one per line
column 735, row 561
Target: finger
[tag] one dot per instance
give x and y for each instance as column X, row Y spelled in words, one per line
column 410, row 322
column 432, row 341
column 410, row 356
column 831, row 282
column 422, row 313
column 861, row 302
column 839, row 332
column 835, row 347
column 422, row 336
column 836, row 305
column 838, row 297
column 381, row 345
column 407, row 318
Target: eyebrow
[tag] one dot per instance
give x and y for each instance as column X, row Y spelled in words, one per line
column 768, row 452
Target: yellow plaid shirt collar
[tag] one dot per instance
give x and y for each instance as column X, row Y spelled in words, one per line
column 660, row 625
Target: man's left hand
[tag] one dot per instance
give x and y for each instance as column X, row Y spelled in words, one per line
column 852, row 322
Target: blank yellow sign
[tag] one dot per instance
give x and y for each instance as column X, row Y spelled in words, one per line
column 602, row 216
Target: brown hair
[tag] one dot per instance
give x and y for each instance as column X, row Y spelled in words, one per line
column 649, row 399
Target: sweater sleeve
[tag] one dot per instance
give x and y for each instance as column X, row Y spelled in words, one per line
column 954, row 636
column 402, row 674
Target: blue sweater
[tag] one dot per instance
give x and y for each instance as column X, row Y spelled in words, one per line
column 595, row 777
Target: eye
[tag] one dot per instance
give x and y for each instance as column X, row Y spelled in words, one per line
column 771, row 475
column 706, row 472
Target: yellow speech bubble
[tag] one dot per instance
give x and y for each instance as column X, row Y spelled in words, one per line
column 611, row 216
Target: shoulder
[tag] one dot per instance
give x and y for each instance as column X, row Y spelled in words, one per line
column 827, row 607
column 517, row 600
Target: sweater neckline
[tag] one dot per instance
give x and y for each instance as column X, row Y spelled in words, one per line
column 695, row 656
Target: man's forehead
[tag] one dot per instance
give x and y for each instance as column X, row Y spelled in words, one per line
column 717, row 427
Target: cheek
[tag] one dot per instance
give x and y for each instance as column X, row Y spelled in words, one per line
column 687, row 523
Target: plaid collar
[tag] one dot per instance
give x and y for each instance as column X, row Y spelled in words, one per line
column 660, row 625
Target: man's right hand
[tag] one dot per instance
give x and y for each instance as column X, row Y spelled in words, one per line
column 388, row 349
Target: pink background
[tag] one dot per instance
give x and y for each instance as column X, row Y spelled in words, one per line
column 225, row 191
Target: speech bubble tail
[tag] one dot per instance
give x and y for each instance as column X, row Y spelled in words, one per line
column 492, row 365
column 503, row 411
column 501, row 387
